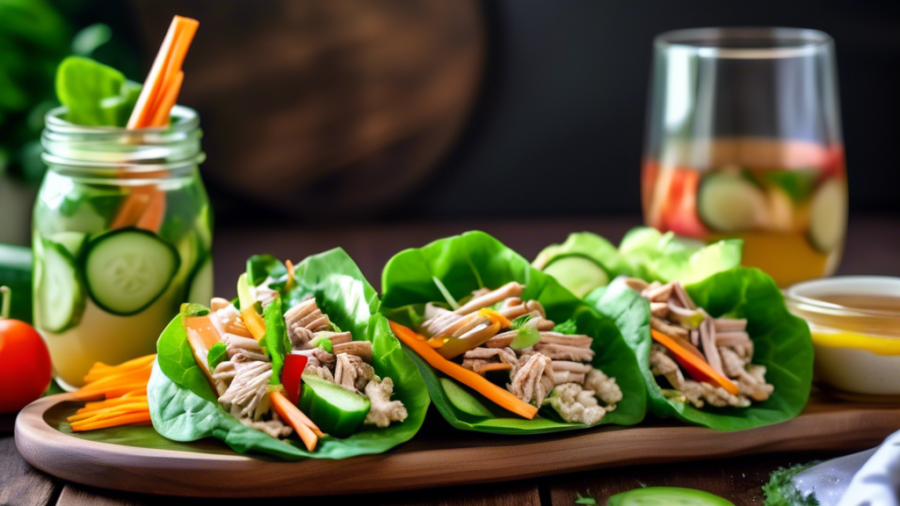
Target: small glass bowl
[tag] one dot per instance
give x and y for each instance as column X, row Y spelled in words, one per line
column 857, row 350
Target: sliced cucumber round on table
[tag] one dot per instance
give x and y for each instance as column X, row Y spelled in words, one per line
column 60, row 294
column 200, row 288
column 828, row 215
column 667, row 496
column 73, row 241
column 729, row 202
column 128, row 269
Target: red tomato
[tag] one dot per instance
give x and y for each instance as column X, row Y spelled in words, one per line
column 24, row 365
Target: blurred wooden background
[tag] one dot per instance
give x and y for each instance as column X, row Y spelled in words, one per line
column 323, row 108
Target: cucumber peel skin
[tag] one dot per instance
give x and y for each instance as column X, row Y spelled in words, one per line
column 667, row 496
column 336, row 411
column 464, row 401
column 47, row 296
column 106, row 300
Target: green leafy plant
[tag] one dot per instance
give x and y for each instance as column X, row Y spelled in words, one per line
column 667, row 257
column 781, row 342
column 183, row 405
column 780, row 490
column 476, row 260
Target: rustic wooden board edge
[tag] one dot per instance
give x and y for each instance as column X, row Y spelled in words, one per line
column 170, row 472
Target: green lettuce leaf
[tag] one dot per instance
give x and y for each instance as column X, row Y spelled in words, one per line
column 667, row 257
column 475, row 260
column 276, row 341
column 183, row 405
column 781, row 342
column 95, row 94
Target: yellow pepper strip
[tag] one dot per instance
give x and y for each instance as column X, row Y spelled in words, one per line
column 290, row 270
column 254, row 322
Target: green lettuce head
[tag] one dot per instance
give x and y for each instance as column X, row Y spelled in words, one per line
column 781, row 342
column 582, row 263
column 184, row 407
column 476, row 260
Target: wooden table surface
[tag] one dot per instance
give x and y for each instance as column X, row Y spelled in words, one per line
column 873, row 247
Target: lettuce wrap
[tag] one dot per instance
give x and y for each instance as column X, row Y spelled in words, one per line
column 462, row 264
column 781, row 341
column 184, row 407
column 586, row 261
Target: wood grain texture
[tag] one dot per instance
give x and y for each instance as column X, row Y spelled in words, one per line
column 326, row 107
column 826, row 425
column 21, row 484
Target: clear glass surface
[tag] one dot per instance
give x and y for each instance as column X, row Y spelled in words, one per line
column 744, row 140
column 97, row 300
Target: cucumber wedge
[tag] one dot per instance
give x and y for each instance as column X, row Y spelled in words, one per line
column 828, row 216
column 73, row 241
column 730, row 203
column 60, row 294
column 580, row 275
column 200, row 289
column 128, row 269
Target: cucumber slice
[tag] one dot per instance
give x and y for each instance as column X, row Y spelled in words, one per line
column 797, row 184
column 667, row 496
column 828, row 216
column 730, row 203
column 338, row 412
column 73, row 241
column 60, row 294
column 578, row 274
column 463, row 400
column 200, row 289
column 128, row 269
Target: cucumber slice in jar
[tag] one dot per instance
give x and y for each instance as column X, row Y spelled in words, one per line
column 128, row 269
column 60, row 294
column 730, row 203
column 828, row 215
column 200, row 289
column 73, row 241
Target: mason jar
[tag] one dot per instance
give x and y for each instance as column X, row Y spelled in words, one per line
column 122, row 234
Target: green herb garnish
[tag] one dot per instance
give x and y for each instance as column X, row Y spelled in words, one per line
column 217, row 355
column 567, row 327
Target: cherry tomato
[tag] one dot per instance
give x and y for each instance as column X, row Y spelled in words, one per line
column 24, row 365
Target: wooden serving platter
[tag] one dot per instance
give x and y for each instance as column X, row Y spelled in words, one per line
column 139, row 460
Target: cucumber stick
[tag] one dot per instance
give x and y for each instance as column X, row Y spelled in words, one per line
column 336, row 411
column 60, row 293
column 126, row 270
column 200, row 288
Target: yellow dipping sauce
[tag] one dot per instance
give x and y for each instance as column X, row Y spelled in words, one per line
column 855, row 326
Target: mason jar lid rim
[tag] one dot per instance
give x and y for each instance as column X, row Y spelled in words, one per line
column 188, row 120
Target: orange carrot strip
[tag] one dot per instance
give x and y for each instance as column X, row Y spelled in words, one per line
column 155, row 211
column 93, row 379
column 700, row 370
column 290, row 270
column 254, row 322
column 292, row 415
column 135, row 394
column 111, row 411
column 112, row 422
column 500, row 396
column 124, row 389
column 204, row 328
column 99, row 371
column 119, row 379
column 97, row 406
column 167, row 100
column 131, row 209
column 159, row 72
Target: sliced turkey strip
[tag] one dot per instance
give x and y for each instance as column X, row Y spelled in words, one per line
column 660, row 325
column 730, row 325
column 637, row 284
column 577, row 340
column 562, row 352
column 659, row 293
column 511, row 289
column 659, row 309
column 563, row 377
column 502, row 340
column 573, row 367
column 335, row 337
column 708, row 340
column 682, row 315
column 695, row 337
column 361, row 349
column 682, row 295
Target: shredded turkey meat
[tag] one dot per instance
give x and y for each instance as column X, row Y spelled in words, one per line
column 533, row 379
column 482, row 360
column 722, row 342
column 351, row 372
column 384, row 411
column 576, row 404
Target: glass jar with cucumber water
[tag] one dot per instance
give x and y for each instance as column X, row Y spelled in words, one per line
column 122, row 233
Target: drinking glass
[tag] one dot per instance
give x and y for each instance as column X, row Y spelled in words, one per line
column 744, row 141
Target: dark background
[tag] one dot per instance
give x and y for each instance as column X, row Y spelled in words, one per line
column 553, row 126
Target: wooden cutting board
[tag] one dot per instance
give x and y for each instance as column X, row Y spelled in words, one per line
column 139, row 460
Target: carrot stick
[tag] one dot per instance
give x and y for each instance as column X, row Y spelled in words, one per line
column 154, row 211
column 118, row 379
column 131, row 209
column 134, row 407
column 112, row 422
column 167, row 99
column 102, row 369
column 95, row 406
column 161, row 70
column 500, row 396
column 295, row 418
column 124, row 389
column 699, row 369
